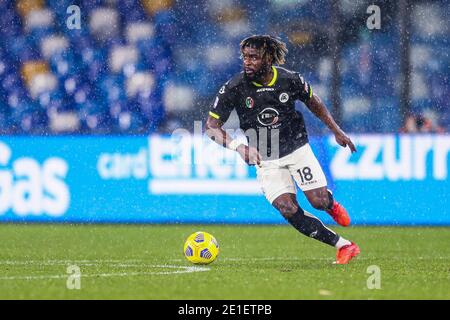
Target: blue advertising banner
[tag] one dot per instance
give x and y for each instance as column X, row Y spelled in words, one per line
column 391, row 180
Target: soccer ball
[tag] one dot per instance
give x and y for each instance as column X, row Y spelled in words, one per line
column 201, row 248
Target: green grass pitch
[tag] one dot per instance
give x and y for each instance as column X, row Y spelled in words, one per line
column 255, row 262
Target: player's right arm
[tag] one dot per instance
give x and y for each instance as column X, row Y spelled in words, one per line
column 217, row 134
column 218, row 115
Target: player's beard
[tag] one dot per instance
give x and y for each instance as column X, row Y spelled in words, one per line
column 259, row 74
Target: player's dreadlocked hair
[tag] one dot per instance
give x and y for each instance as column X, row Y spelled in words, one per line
column 267, row 45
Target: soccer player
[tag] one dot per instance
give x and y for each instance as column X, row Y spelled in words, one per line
column 264, row 96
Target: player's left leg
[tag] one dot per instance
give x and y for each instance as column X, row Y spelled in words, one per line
column 322, row 199
column 309, row 176
column 279, row 189
column 311, row 226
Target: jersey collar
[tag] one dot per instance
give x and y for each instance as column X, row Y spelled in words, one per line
column 272, row 82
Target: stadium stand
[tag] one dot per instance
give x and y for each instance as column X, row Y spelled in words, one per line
column 137, row 67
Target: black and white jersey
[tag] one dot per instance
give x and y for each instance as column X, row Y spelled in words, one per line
column 267, row 114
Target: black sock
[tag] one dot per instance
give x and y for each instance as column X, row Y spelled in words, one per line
column 311, row 226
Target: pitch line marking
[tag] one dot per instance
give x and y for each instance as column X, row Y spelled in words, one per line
column 64, row 262
column 179, row 270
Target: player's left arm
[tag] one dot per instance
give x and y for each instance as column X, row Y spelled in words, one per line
column 317, row 107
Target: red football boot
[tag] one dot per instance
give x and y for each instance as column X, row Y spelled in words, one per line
column 339, row 214
column 347, row 253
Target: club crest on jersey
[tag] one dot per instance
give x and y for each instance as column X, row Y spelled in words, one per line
column 284, row 97
column 222, row 90
column 249, row 102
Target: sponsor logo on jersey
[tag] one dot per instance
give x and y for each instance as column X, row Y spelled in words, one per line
column 249, row 102
column 268, row 117
column 265, row 89
column 284, row 97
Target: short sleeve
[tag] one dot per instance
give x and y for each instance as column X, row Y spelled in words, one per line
column 223, row 104
column 302, row 88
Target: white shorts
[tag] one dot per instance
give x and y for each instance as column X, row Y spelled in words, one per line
column 275, row 176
